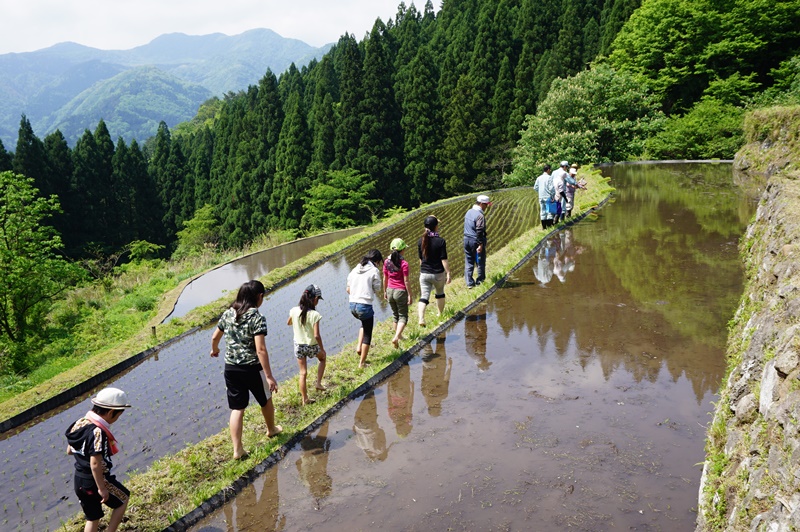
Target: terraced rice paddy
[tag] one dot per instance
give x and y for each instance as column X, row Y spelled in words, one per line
column 179, row 393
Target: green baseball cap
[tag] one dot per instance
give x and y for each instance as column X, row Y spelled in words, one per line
column 398, row 244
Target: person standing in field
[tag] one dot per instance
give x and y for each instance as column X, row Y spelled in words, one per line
column 559, row 185
column 542, row 186
column 304, row 320
column 246, row 361
column 397, row 288
column 475, row 241
column 92, row 444
column 363, row 282
column 434, row 271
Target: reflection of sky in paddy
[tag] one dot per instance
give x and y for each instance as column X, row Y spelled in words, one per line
column 536, row 438
column 228, row 277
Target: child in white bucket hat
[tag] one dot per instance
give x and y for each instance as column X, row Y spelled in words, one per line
column 92, row 444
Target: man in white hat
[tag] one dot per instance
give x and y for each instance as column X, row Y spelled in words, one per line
column 559, row 183
column 93, row 445
column 475, row 240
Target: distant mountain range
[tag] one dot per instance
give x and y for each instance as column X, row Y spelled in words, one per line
column 71, row 87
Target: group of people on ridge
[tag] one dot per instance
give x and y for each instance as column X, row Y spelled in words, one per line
column 557, row 192
column 247, row 369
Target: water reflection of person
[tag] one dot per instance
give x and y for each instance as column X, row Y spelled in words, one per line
column 436, row 368
column 570, row 251
column 475, row 330
column 400, row 392
column 257, row 506
column 544, row 265
column 370, row 437
column 312, row 466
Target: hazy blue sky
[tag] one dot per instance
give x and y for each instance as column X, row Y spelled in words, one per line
column 27, row 25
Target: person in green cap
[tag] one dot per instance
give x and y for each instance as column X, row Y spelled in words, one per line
column 397, row 288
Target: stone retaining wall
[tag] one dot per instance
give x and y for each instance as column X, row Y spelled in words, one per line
column 751, row 477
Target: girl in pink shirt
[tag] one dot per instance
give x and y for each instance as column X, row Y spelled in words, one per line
column 396, row 288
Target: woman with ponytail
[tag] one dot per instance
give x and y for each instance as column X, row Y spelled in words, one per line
column 434, row 272
column 363, row 282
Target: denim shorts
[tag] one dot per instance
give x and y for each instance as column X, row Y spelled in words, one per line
column 362, row 311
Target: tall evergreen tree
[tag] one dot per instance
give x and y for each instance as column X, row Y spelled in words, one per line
column 29, row 157
column 535, row 29
column 270, row 113
column 5, row 158
column 612, row 17
column 88, row 210
column 462, row 138
column 380, row 147
column 124, row 229
column 348, row 62
column 59, row 171
column 148, row 212
column 199, row 163
column 421, row 131
column 322, row 119
column 109, row 190
column 292, row 159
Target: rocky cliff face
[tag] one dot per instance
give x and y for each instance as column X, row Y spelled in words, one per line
column 751, row 477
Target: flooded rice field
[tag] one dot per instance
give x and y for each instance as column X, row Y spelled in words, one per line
column 228, row 277
column 178, row 394
column 576, row 396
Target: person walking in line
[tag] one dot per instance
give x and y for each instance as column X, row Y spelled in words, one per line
column 397, row 288
column 559, row 185
column 542, row 186
column 572, row 185
column 434, row 271
column 363, row 282
column 91, row 443
column 304, row 320
column 475, row 241
column 246, row 361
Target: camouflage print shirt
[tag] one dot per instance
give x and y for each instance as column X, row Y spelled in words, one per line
column 240, row 337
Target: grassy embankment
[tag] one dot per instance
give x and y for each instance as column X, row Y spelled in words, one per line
column 175, row 485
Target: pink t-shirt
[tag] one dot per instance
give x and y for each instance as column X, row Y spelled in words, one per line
column 396, row 276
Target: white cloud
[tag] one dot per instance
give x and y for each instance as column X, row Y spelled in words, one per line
column 28, row 25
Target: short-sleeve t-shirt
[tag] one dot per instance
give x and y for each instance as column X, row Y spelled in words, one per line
column 87, row 439
column 304, row 334
column 240, row 336
column 438, row 252
column 396, row 276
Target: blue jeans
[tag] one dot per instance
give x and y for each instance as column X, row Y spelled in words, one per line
column 471, row 256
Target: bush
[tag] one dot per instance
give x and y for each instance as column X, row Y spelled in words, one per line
column 598, row 115
column 711, row 130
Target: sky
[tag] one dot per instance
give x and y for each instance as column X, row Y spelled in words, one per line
column 28, row 25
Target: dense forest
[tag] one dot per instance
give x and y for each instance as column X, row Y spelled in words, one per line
column 427, row 105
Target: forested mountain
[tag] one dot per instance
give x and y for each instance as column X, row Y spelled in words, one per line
column 426, row 106
column 49, row 85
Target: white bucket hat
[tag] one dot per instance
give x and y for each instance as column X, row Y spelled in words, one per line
column 111, row 398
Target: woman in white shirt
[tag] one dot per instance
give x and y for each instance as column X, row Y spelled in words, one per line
column 363, row 282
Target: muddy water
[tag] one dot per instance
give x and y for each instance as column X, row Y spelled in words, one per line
column 228, row 277
column 179, row 394
column 576, row 397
